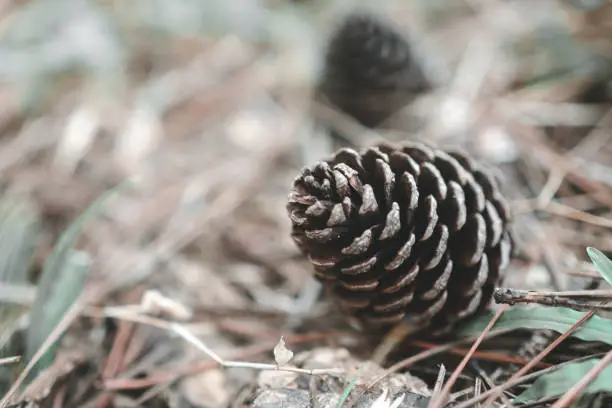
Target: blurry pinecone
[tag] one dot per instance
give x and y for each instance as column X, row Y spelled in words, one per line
column 405, row 232
column 370, row 70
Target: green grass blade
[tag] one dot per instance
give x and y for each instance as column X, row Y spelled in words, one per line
column 558, row 319
column 558, row 382
column 19, row 229
column 347, row 392
column 63, row 277
column 602, row 263
column 70, row 284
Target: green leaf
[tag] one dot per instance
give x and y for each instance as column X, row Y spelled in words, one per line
column 601, row 262
column 62, row 279
column 558, row 319
column 560, row 381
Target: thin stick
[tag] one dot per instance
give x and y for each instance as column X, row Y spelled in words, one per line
column 555, row 179
column 483, row 355
column 584, row 274
column 597, row 301
column 169, row 375
column 572, row 213
column 189, row 337
column 594, row 294
column 573, row 392
column 540, row 356
column 441, row 400
column 10, row 360
column 560, row 209
column 183, row 332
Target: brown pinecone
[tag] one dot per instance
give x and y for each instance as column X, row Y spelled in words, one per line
column 370, row 70
column 405, row 232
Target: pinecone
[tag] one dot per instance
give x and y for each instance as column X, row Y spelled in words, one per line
column 406, row 232
column 370, row 70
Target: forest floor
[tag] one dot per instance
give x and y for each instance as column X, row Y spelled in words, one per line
column 146, row 152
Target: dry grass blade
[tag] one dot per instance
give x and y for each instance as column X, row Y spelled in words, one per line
column 477, row 387
column 532, row 139
column 565, row 211
column 593, row 141
column 439, row 401
column 439, row 381
column 485, row 379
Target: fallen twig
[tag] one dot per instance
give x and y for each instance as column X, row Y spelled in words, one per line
column 133, row 313
column 189, row 337
column 597, row 301
column 10, row 360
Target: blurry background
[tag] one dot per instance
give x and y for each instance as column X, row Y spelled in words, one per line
column 206, row 109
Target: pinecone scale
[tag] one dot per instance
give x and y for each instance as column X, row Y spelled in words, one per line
column 404, row 232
